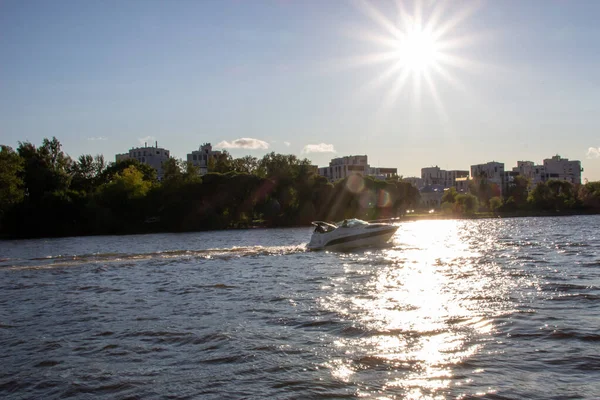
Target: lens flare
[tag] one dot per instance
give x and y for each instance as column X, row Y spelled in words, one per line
column 355, row 183
column 384, row 199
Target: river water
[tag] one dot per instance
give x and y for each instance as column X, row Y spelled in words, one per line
column 496, row 309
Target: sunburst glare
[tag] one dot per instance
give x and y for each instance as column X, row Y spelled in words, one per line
column 417, row 49
column 418, row 46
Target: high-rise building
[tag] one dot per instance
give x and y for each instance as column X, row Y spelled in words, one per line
column 563, row 169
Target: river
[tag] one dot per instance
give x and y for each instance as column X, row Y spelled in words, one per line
column 494, row 309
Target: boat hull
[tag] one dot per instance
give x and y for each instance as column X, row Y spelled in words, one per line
column 366, row 239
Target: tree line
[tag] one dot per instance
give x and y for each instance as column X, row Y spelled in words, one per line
column 552, row 196
column 44, row 192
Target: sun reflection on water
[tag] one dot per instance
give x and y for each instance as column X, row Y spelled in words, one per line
column 422, row 308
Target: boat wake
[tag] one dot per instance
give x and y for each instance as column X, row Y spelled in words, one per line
column 99, row 259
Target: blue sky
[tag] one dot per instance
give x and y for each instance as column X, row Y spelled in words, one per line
column 520, row 82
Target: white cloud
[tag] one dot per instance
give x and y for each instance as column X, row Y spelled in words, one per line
column 97, row 138
column 148, row 140
column 244, row 143
column 288, row 144
column 593, row 152
column 318, row 148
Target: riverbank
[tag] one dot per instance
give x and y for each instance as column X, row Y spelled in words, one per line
column 503, row 214
column 155, row 228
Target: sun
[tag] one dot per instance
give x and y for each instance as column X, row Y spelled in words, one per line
column 419, row 48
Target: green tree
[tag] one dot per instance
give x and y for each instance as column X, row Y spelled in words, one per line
column 46, row 169
column 468, row 203
column 519, row 190
column 121, row 204
column 589, row 194
column 11, row 183
column 449, row 196
column 274, row 165
column 223, row 163
column 191, row 173
column 149, row 174
column 86, row 172
column 246, row 164
column 172, row 171
column 495, row 203
column 553, row 195
column 128, row 184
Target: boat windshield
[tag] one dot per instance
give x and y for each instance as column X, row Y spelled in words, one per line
column 323, row 227
column 351, row 223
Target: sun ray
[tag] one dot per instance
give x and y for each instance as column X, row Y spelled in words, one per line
column 378, row 17
column 455, row 83
column 417, row 89
column 435, row 16
column 418, row 45
column 403, row 19
column 463, row 41
column 360, row 96
column 382, row 78
column 372, row 37
column 461, row 62
column 392, row 94
column 418, row 16
column 436, row 98
column 369, row 59
column 465, row 13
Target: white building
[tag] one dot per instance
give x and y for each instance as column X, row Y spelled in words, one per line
column 342, row 167
column 437, row 176
column 493, row 172
column 563, row 169
column 528, row 169
column 152, row 156
column 199, row 158
column 431, row 176
column 553, row 168
column 383, row 173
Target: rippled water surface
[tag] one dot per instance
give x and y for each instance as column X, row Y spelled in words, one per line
column 498, row 309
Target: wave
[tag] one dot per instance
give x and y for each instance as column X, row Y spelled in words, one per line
column 59, row 261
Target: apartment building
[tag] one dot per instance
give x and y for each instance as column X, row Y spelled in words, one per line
column 152, row 156
column 437, row 176
column 342, row 167
column 563, row 169
column 199, row 158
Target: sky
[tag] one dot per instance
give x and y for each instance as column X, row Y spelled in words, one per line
column 411, row 84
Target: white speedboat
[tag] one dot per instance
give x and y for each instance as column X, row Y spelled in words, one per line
column 349, row 234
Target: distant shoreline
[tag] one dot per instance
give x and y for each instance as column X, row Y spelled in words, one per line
column 503, row 214
column 405, row 218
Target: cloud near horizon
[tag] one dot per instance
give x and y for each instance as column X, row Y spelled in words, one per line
column 97, row 138
column 593, row 152
column 287, row 144
column 244, row 143
column 318, row 148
